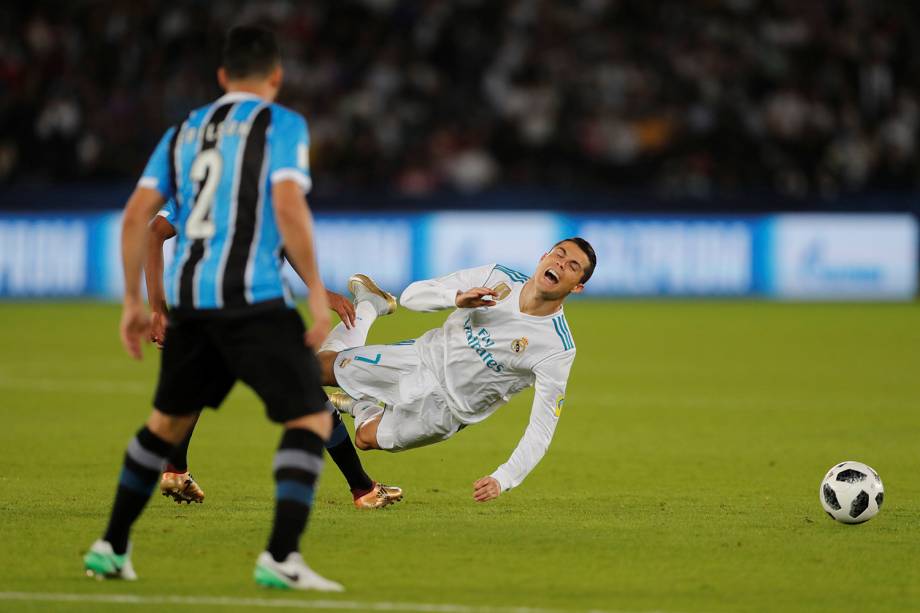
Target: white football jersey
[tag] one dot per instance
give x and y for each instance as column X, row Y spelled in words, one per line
column 483, row 356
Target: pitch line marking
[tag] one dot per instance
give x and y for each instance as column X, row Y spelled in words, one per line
column 345, row 605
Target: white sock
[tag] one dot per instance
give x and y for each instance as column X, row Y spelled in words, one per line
column 342, row 338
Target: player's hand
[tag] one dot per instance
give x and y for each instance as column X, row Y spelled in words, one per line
column 158, row 328
column 486, row 489
column 320, row 320
column 135, row 326
column 343, row 307
column 475, row 297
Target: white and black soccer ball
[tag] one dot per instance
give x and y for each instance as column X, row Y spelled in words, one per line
column 852, row 492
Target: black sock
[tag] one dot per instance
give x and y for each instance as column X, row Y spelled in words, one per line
column 177, row 462
column 345, row 456
column 143, row 461
column 297, row 465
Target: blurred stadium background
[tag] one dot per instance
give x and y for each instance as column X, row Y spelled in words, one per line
column 622, row 120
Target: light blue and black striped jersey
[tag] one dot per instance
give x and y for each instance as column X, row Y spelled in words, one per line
column 216, row 170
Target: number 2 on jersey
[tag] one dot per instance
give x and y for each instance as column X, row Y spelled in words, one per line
column 206, row 167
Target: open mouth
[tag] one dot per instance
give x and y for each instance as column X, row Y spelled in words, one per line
column 551, row 276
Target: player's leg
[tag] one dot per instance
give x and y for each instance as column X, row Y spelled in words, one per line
column 424, row 421
column 176, row 482
column 297, row 465
column 192, row 375
column 146, row 453
column 370, row 302
column 266, row 352
column 366, row 435
column 366, row 493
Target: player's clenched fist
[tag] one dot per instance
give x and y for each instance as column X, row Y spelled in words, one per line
column 486, row 488
column 475, row 297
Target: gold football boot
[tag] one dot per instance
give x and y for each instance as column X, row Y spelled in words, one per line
column 363, row 287
column 181, row 487
column 342, row 402
column 380, row 496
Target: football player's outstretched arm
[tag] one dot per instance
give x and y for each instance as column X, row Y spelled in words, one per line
column 337, row 302
column 461, row 289
column 154, row 188
column 135, row 323
column 160, row 231
column 296, row 226
column 548, row 399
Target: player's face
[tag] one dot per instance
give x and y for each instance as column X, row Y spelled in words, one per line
column 560, row 271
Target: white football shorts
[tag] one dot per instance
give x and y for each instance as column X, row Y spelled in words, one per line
column 416, row 412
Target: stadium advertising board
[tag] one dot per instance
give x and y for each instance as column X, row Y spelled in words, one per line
column 649, row 257
column 453, row 241
column 859, row 257
column 871, row 257
column 47, row 256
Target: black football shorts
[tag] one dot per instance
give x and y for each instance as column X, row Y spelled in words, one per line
column 203, row 357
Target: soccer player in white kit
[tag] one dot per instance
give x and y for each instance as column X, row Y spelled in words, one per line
column 508, row 332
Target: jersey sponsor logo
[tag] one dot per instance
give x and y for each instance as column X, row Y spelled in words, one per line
column 502, row 291
column 518, row 345
column 479, row 341
column 560, row 401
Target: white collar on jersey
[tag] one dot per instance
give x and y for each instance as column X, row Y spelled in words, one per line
column 237, row 96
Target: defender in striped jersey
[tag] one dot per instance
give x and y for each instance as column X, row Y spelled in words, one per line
column 238, row 170
column 177, row 482
column 508, row 333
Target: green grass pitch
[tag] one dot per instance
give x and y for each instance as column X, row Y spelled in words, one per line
column 683, row 476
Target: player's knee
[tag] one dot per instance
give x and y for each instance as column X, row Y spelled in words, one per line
column 366, row 437
column 362, row 444
column 321, row 423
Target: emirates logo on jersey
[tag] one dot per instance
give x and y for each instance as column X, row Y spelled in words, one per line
column 518, row 345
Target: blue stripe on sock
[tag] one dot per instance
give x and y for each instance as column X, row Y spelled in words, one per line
column 338, row 436
column 294, row 491
column 133, row 481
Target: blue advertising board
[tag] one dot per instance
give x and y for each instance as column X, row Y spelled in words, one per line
column 824, row 257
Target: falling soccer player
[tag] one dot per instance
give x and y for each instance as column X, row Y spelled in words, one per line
column 508, row 332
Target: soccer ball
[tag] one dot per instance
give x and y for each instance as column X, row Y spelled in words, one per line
column 852, row 492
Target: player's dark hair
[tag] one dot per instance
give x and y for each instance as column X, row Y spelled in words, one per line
column 589, row 251
column 250, row 51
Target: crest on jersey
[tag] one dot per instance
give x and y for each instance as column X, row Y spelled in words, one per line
column 344, row 362
column 502, row 291
column 518, row 345
column 560, row 401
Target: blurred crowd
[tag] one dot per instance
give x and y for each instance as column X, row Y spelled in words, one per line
column 686, row 98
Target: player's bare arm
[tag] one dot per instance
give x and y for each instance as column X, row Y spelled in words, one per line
column 342, row 306
column 135, row 322
column 160, row 231
column 296, row 226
